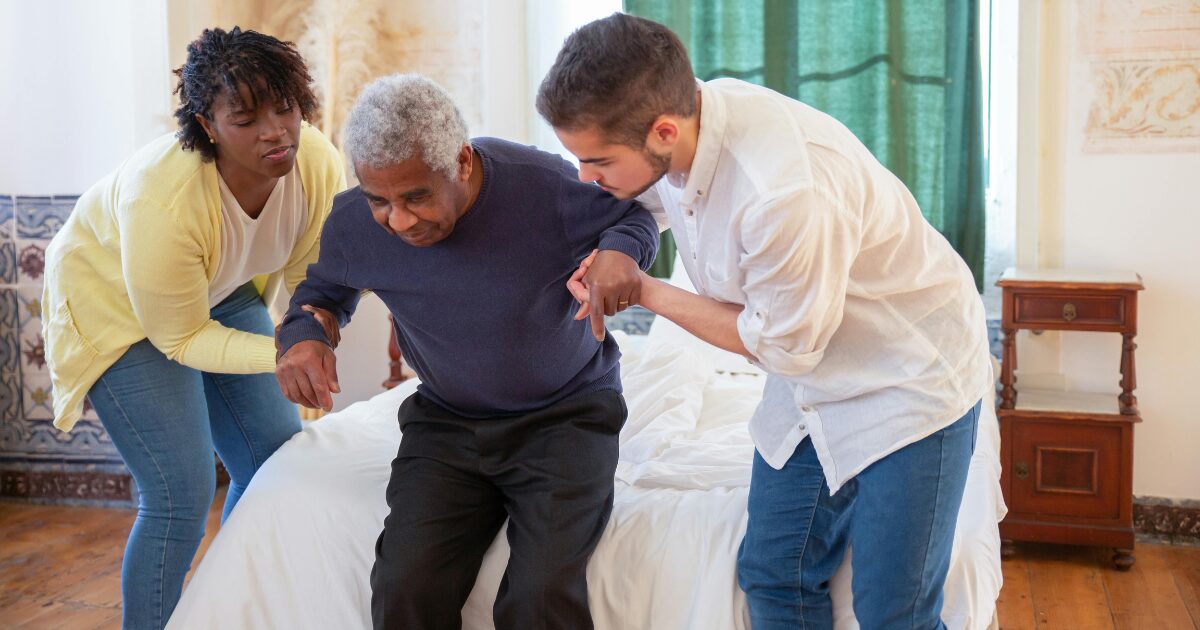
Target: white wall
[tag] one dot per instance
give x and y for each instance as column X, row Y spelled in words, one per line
column 82, row 85
column 1134, row 209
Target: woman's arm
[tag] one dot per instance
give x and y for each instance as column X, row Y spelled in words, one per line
column 163, row 262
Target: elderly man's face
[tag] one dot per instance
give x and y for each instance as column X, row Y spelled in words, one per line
column 414, row 202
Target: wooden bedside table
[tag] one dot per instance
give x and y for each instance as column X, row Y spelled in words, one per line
column 1067, row 456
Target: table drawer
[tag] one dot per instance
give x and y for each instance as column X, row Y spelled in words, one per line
column 1064, row 309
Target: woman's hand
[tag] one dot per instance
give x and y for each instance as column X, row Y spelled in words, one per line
column 327, row 321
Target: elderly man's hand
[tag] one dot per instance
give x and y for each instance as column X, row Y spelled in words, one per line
column 606, row 283
column 575, row 286
column 307, row 374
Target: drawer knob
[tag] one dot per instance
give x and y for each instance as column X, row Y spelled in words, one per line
column 1069, row 312
column 1022, row 470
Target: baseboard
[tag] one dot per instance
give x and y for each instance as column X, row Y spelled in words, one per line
column 71, row 483
column 1154, row 519
column 76, row 487
column 1175, row 522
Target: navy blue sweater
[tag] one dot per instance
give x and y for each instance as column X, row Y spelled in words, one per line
column 484, row 316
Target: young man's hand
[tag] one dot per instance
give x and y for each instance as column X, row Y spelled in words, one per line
column 605, row 283
column 307, row 374
column 327, row 321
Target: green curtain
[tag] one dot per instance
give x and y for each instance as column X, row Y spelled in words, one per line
column 666, row 257
column 903, row 76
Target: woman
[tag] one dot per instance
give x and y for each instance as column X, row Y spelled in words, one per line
column 150, row 309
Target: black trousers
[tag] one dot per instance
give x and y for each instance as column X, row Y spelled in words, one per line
column 455, row 480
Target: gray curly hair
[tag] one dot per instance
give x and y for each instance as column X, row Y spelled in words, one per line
column 402, row 115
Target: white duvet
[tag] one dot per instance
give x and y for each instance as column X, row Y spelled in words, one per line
column 297, row 551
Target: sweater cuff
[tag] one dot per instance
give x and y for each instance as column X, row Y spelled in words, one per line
column 297, row 330
column 262, row 354
column 629, row 246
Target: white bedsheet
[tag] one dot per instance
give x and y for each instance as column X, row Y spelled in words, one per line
column 297, row 551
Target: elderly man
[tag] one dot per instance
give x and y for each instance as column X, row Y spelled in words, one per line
column 469, row 243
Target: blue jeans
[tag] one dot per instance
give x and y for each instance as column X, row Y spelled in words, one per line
column 166, row 419
column 898, row 514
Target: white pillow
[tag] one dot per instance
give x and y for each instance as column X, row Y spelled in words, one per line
column 665, row 332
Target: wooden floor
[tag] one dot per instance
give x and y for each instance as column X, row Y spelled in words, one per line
column 60, row 567
column 1054, row 586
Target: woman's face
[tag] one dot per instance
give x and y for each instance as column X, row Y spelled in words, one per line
column 253, row 142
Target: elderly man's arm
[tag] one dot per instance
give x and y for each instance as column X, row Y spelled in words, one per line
column 626, row 237
column 305, row 366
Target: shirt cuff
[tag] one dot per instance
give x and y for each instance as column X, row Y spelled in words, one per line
column 750, row 325
column 767, row 354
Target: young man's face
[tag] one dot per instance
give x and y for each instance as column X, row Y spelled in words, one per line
column 413, row 201
column 623, row 171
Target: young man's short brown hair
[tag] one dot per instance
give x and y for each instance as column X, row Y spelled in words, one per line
column 617, row 75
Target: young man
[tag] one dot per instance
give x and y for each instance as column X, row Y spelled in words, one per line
column 469, row 244
column 813, row 261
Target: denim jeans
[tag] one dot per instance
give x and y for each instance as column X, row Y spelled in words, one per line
column 166, row 419
column 898, row 514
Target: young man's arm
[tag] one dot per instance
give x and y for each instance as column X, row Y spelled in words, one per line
column 796, row 257
column 797, row 251
column 710, row 320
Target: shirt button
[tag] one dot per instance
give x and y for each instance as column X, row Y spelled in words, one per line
column 803, row 427
column 689, row 212
column 807, row 409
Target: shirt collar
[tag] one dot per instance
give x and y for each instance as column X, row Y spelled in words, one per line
column 708, row 145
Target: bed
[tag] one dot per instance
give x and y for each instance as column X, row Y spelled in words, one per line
column 297, row 551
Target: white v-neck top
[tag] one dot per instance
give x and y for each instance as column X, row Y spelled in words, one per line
column 251, row 247
column 866, row 320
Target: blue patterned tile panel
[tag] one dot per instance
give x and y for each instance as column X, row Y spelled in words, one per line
column 42, row 217
column 14, row 431
column 8, row 215
column 29, row 323
column 10, row 354
column 35, row 437
column 27, row 435
column 36, row 396
column 10, row 396
column 87, row 440
column 8, row 262
column 31, row 261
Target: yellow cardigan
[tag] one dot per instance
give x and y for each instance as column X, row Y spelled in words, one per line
column 135, row 259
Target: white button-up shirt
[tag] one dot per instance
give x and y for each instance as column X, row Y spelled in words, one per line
column 864, row 317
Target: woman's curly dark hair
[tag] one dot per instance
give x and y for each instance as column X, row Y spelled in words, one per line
column 223, row 60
